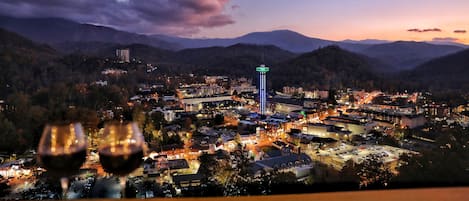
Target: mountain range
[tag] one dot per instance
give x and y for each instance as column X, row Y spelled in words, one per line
column 330, row 66
column 54, row 31
column 295, row 59
column 405, row 55
column 69, row 36
column 285, row 39
column 448, row 72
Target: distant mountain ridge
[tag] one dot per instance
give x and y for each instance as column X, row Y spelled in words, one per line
column 236, row 60
column 367, row 41
column 448, row 72
column 68, row 37
column 405, row 55
column 21, row 60
column 285, row 39
column 57, row 30
column 12, row 43
column 326, row 67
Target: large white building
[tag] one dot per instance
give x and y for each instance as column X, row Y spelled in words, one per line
column 123, row 55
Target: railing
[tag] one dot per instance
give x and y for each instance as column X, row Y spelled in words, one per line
column 423, row 194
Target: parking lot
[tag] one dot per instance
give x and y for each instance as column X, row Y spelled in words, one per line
column 337, row 156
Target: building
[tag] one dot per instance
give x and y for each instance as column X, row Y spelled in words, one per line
column 216, row 79
column 292, row 90
column 299, row 164
column 316, row 94
column 201, row 90
column 395, row 117
column 243, row 88
column 197, row 104
column 286, row 105
column 2, row 105
column 170, row 114
column 262, row 87
column 123, row 55
column 187, row 180
column 412, row 121
column 354, row 125
column 99, row 83
column 327, row 131
column 113, row 72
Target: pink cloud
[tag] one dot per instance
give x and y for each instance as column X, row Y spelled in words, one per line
column 149, row 16
column 424, row 30
column 460, row 31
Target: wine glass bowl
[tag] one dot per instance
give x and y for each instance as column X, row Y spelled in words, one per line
column 62, row 151
column 62, row 148
column 121, row 148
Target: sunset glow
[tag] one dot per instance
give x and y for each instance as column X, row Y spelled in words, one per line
column 357, row 20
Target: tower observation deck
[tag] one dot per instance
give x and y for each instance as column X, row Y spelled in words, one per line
column 262, row 69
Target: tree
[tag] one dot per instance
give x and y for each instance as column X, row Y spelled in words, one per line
column 188, row 123
column 27, row 120
column 4, row 187
column 384, row 139
column 446, row 164
column 352, row 98
column 148, row 131
column 331, row 97
column 219, row 119
column 138, row 116
column 88, row 118
column 373, row 172
column 9, row 142
column 153, row 123
column 157, row 119
column 349, row 173
column 241, row 182
column 237, row 139
column 208, row 165
column 19, row 108
column 284, row 178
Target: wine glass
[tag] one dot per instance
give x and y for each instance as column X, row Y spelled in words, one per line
column 62, row 151
column 121, row 150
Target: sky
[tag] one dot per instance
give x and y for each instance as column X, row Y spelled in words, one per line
column 419, row 20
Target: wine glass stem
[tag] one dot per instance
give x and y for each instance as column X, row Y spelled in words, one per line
column 64, row 185
column 122, row 181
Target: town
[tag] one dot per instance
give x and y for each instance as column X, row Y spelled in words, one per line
column 219, row 135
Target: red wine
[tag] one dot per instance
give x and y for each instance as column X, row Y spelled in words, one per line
column 63, row 164
column 122, row 160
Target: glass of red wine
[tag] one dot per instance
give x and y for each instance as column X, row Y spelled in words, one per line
column 62, row 151
column 121, row 150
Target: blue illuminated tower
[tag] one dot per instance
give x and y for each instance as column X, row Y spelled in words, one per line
column 262, row 87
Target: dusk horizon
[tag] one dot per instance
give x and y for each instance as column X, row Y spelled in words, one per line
column 437, row 21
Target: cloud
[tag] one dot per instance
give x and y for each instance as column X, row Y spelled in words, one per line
column 235, row 7
column 460, row 31
column 445, row 39
column 424, row 30
column 434, row 29
column 179, row 17
column 414, row 30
